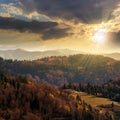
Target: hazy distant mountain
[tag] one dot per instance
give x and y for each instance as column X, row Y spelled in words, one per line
column 21, row 54
column 113, row 55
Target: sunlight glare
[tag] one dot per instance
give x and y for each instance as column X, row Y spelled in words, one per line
column 100, row 36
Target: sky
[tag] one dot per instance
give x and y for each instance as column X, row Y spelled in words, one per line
column 37, row 25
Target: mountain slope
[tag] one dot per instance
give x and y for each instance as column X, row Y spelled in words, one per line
column 21, row 99
column 92, row 69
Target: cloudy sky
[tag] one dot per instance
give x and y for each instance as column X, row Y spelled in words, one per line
column 85, row 25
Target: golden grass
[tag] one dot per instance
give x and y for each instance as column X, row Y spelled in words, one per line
column 91, row 99
column 95, row 101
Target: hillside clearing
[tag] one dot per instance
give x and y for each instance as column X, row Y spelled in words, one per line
column 93, row 100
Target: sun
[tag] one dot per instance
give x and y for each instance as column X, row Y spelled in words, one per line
column 100, row 36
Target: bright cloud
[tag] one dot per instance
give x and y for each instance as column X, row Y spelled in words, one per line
column 10, row 10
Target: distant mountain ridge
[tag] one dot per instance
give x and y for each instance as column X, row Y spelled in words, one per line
column 21, row 54
column 113, row 55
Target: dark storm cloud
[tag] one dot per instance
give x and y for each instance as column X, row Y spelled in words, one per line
column 87, row 11
column 48, row 30
column 55, row 33
column 114, row 37
column 117, row 37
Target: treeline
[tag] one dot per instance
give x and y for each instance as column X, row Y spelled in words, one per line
column 21, row 99
column 109, row 90
column 92, row 69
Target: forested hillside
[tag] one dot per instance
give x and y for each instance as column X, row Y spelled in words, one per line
column 26, row 90
column 21, row 99
column 92, row 69
column 110, row 90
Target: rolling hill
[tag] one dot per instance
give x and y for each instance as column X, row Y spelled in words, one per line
column 94, row 69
